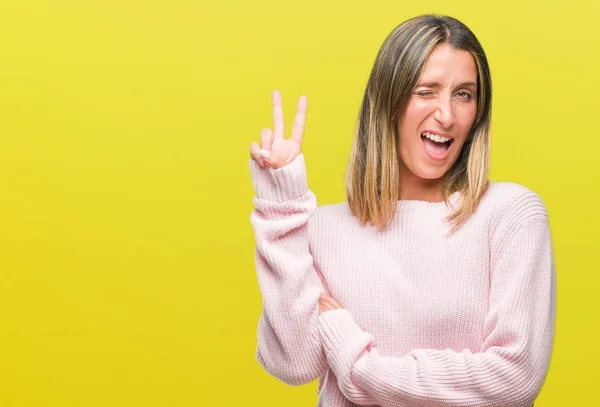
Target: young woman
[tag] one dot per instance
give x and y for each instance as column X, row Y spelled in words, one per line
column 430, row 286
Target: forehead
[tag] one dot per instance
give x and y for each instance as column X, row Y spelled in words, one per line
column 447, row 64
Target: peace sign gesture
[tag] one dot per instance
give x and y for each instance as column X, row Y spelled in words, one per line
column 275, row 151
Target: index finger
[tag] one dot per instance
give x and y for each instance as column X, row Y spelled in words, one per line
column 299, row 120
column 278, row 126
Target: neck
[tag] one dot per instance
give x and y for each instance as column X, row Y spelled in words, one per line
column 414, row 188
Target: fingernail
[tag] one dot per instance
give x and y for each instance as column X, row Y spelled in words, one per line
column 264, row 153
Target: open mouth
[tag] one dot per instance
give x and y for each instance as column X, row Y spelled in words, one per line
column 435, row 144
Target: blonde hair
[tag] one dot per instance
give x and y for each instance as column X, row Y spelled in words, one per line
column 372, row 180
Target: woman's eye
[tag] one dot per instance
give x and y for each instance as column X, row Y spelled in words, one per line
column 425, row 93
column 464, row 95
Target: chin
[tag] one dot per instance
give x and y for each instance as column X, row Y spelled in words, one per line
column 431, row 174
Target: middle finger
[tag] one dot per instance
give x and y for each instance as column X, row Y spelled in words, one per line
column 278, row 126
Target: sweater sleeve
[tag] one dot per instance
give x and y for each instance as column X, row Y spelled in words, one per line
column 509, row 369
column 289, row 346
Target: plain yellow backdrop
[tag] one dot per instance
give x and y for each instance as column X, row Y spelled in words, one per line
column 126, row 253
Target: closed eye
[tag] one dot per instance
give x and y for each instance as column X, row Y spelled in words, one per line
column 425, row 93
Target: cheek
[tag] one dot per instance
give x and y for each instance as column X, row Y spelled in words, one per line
column 416, row 113
column 465, row 118
column 420, row 109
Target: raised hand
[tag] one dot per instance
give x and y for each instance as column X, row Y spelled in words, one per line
column 275, row 151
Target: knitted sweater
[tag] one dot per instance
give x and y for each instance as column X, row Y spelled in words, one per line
column 429, row 318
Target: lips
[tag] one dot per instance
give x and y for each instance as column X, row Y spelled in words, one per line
column 436, row 134
column 436, row 150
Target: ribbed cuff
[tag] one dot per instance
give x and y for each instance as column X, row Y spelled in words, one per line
column 343, row 339
column 282, row 184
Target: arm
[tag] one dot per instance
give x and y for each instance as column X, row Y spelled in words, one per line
column 510, row 368
column 289, row 347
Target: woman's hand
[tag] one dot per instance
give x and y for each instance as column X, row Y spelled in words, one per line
column 327, row 303
column 275, row 151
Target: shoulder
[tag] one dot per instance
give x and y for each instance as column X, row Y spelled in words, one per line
column 509, row 200
column 328, row 216
column 508, row 207
column 332, row 212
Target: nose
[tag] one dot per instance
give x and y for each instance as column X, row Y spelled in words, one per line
column 444, row 112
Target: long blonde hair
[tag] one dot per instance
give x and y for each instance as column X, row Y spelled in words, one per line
column 372, row 180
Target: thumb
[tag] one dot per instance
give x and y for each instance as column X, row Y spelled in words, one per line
column 271, row 159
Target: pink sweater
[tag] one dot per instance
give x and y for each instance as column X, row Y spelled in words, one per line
column 429, row 319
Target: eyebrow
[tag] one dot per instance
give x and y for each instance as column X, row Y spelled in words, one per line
column 434, row 84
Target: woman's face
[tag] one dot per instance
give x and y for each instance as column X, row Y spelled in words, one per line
column 442, row 107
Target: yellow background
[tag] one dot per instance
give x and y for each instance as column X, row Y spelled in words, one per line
column 126, row 254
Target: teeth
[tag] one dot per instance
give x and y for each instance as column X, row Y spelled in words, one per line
column 435, row 137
